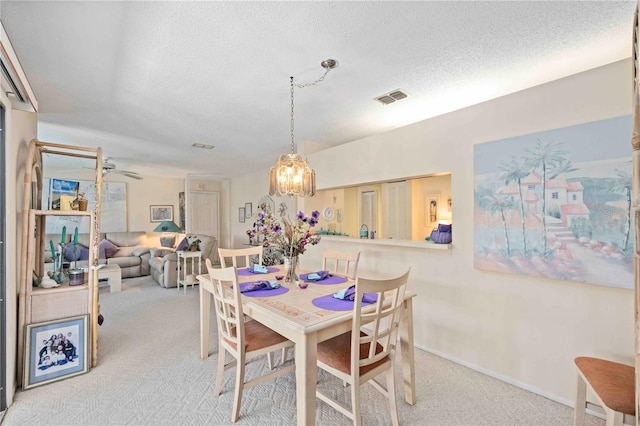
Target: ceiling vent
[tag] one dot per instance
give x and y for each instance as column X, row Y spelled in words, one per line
column 202, row 146
column 391, row 97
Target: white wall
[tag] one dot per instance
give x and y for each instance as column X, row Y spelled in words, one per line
column 20, row 129
column 523, row 330
column 152, row 190
column 250, row 188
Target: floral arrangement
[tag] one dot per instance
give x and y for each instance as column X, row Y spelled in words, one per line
column 291, row 238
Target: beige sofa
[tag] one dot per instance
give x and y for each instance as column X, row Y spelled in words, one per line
column 132, row 253
column 164, row 261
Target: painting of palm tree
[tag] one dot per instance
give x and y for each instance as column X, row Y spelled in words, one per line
column 557, row 204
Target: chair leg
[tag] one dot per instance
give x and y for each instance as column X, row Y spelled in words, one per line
column 270, row 360
column 237, row 399
column 220, row 375
column 391, row 394
column 355, row 403
column 581, row 402
column 614, row 418
column 284, row 356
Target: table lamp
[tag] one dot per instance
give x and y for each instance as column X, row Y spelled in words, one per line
column 167, row 228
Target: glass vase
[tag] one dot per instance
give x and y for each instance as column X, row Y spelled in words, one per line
column 290, row 267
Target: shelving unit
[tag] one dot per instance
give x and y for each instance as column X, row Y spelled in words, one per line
column 39, row 304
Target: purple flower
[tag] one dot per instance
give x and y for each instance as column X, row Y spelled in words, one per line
column 312, row 222
column 260, row 215
column 300, row 216
column 315, row 214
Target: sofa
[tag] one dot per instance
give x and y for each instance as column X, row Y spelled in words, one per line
column 163, row 262
column 129, row 250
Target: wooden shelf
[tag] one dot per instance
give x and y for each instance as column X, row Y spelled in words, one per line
column 60, row 212
column 45, row 304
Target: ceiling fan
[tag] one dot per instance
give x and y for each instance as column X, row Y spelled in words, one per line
column 109, row 167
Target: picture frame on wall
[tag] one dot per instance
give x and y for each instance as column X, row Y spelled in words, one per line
column 56, row 350
column 161, row 213
column 432, row 203
column 241, row 214
column 248, row 210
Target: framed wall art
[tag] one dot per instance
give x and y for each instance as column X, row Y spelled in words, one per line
column 56, row 350
column 557, row 204
column 248, row 210
column 432, row 203
column 242, row 214
column 161, row 213
column 113, row 208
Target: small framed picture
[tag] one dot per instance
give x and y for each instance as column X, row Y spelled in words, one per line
column 431, row 210
column 242, row 214
column 161, row 213
column 56, row 350
column 248, row 210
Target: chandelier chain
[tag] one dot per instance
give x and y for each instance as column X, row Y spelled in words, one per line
column 291, row 115
column 302, row 86
column 313, row 83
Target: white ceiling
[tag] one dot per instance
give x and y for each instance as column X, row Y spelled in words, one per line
column 145, row 80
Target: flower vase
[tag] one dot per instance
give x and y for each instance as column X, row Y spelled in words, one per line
column 290, row 267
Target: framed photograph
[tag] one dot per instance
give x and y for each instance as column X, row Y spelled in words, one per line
column 248, row 210
column 241, row 214
column 431, row 210
column 61, row 193
column 161, row 213
column 56, row 350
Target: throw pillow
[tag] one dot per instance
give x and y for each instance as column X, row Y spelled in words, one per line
column 184, row 244
column 70, row 254
column 107, row 249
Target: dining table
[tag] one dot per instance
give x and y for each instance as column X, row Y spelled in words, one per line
column 294, row 315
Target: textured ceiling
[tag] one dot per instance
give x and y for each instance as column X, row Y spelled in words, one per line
column 145, row 80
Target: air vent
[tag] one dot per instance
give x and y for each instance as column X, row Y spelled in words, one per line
column 202, row 146
column 391, row 97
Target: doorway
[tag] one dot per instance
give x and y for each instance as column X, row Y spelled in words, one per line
column 204, row 213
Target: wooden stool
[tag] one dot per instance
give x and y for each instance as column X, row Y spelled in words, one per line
column 613, row 384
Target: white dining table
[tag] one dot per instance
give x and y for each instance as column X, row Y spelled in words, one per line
column 294, row 316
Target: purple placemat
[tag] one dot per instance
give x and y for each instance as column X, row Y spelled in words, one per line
column 264, row 293
column 334, row 279
column 331, row 303
column 246, row 272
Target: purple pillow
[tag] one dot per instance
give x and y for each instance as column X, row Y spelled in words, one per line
column 184, row 244
column 81, row 253
column 70, row 254
column 107, row 249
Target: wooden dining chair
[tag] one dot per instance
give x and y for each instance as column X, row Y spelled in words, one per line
column 229, row 257
column 613, row 385
column 342, row 263
column 358, row 356
column 244, row 340
column 235, row 254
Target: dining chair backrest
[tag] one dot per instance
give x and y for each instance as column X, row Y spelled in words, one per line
column 235, row 254
column 228, row 305
column 378, row 326
column 242, row 337
column 342, row 263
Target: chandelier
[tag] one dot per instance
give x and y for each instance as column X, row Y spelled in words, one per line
column 292, row 175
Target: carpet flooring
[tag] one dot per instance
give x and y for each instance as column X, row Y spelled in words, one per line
column 149, row 372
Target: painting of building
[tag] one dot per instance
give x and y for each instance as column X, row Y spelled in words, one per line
column 547, row 207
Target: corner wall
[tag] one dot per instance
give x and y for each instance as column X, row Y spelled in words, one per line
column 523, row 330
column 21, row 128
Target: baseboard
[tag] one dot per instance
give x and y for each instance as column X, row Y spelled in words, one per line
column 511, row 381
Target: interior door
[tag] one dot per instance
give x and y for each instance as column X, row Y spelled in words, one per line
column 369, row 210
column 204, row 213
column 396, row 211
